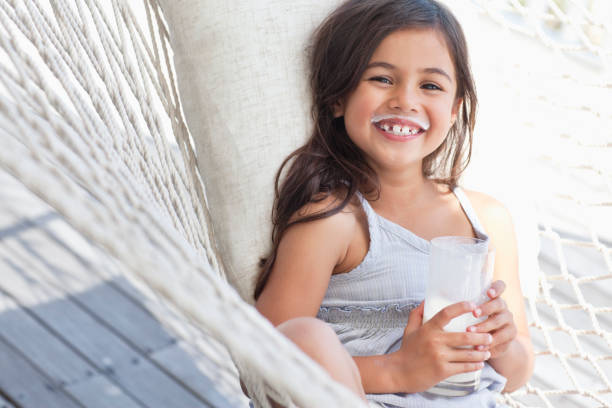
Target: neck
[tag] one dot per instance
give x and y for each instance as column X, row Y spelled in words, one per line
column 402, row 189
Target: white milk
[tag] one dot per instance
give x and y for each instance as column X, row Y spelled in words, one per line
column 436, row 303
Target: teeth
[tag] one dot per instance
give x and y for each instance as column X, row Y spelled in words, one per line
column 399, row 130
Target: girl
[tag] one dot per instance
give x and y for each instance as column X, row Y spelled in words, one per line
column 394, row 108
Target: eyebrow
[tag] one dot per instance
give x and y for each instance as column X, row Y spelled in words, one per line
column 430, row 70
column 439, row 71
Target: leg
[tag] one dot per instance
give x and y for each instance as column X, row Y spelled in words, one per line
column 319, row 341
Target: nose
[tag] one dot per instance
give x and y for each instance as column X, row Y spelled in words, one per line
column 405, row 99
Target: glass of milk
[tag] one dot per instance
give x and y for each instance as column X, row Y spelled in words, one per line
column 460, row 269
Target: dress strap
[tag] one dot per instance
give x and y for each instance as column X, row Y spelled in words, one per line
column 373, row 224
column 470, row 212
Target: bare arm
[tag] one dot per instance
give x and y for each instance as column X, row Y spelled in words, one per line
column 511, row 350
column 306, row 258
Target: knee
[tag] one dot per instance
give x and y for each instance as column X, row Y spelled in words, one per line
column 319, row 341
column 311, row 335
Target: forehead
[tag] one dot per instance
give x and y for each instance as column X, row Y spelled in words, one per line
column 414, row 49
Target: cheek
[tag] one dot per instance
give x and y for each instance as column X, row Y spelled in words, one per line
column 357, row 117
column 359, row 112
column 362, row 103
column 443, row 115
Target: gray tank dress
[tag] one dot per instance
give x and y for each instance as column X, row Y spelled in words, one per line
column 368, row 307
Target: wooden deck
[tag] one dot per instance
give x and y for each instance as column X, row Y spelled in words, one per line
column 74, row 332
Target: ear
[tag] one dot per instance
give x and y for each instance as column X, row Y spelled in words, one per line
column 455, row 110
column 338, row 109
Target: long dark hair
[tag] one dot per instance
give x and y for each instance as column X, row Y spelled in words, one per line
column 329, row 162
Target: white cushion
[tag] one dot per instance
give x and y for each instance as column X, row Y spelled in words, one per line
column 243, row 84
column 241, row 73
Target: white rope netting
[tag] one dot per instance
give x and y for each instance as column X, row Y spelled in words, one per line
column 90, row 121
column 563, row 98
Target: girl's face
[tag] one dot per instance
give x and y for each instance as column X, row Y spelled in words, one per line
column 405, row 103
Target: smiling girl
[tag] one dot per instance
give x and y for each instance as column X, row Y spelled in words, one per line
column 356, row 207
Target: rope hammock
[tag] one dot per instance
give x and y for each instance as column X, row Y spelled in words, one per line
column 91, row 122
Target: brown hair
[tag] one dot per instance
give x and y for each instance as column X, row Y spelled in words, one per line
column 329, row 162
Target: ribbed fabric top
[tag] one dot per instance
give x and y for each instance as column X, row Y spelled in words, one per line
column 368, row 307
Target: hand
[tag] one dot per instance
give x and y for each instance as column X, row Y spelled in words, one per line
column 499, row 322
column 428, row 354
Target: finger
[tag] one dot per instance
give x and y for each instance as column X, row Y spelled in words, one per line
column 504, row 335
column 458, row 368
column 493, row 322
column 444, row 316
column 496, row 289
column 415, row 319
column 483, row 347
column 468, row 339
column 491, row 307
column 468, row 355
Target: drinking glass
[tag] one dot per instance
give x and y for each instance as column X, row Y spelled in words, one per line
column 460, row 269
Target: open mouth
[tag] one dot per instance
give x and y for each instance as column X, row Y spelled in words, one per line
column 399, row 127
column 399, row 130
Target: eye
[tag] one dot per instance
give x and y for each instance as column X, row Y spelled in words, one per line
column 431, row 87
column 381, row 79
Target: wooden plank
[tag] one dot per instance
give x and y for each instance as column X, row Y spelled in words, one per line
column 189, row 362
column 99, row 392
column 129, row 319
column 67, row 258
column 95, row 342
column 40, row 259
column 83, row 279
column 5, row 404
column 154, row 388
column 214, row 384
column 25, row 385
column 52, row 356
column 72, row 323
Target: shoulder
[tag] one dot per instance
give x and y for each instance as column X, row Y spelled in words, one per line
column 345, row 219
column 497, row 223
column 307, row 255
column 492, row 213
column 330, row 234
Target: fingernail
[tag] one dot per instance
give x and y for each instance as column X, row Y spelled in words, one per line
column 490, row 339
column 487, row 355
column 481, row 365
column 491, row 292
column 477, row 312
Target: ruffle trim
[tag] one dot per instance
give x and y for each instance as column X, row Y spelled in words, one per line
column 391, row 315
